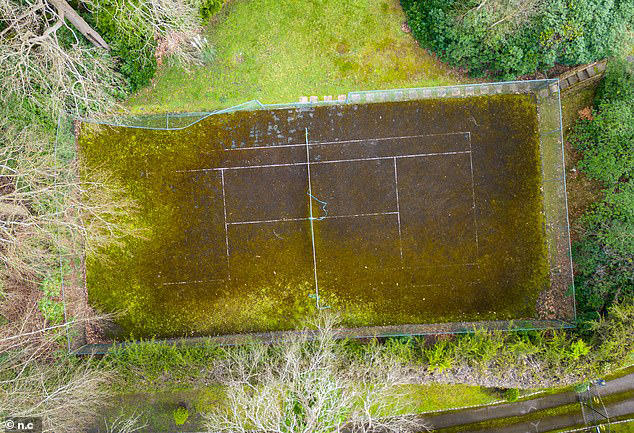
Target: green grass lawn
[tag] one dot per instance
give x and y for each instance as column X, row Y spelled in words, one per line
column 279, row 50
column 434, row 397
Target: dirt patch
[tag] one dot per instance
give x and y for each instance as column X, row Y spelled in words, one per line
column 6, row 185
column 582, row 191
column 343, row 47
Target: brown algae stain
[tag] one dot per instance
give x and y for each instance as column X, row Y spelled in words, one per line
column 466, row 244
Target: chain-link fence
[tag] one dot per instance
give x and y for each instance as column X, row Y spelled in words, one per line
column 555, row 212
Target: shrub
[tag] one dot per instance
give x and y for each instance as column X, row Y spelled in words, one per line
column 400, row 348
column 141, row 33
column 440, row 356
column 603, row 255
column 617, row 83
column 612, row 337
column 129, row 42
column 607, row 142
column 208, row 8
column 510, row 38
column 512, row 394
column 578, row 349
column 582, row 387
column 180, row 415
column 480, row 347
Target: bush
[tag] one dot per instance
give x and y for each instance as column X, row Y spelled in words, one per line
column 617, row 83
column 512, row 394
column 607, row 142
column 603, row 255
column 440, row 356
column 508, row 38
column 208, row 8
column 612, row 337
column 578, row 349
column 479, row 347
column 180, row 415
column 142, row 33
column 128, row 41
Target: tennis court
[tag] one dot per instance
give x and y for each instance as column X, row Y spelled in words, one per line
column 389, row 213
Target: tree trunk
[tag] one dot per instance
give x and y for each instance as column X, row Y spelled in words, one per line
column 66, row 11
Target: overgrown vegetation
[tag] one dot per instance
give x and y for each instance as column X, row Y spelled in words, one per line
column 37, row 379
column 603, row 255
column 524, row 359
column 143, row 34
column 306, row 386
column 507, row 38
column 47, row 68
column 48, row 73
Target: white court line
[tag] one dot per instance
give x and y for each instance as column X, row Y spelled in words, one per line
column 224, row 208
column 176, row 283
column 292, row 164
column 317, row 143
column 268, row 221
column 312, row 219
column 398, row 210
column 312, row 230
column 451, row 265
column 475, row 221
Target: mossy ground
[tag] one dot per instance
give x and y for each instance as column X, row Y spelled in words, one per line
column 472, row 244
column 582, row 192
column 156, row 408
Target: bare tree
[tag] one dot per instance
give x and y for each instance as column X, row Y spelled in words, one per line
column 65, row 394
column 305, row 386
column 45, row 206
column 173, row 25
column 71, row 76
column 35, row 65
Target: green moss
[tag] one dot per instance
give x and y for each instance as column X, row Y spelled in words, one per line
column 434, row 397
column 622, row 427
column 178, row 281
column 533, row 416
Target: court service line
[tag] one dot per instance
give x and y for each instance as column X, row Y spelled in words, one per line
column 475, row 220
column 451, row 265
column 312, row 229
column 177, row 283
column 398, row 210
column 224, row 209
column 292, row 164
column 312, row 219
column 318, row 143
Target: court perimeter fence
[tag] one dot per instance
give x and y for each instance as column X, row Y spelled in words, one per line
column 556, row 224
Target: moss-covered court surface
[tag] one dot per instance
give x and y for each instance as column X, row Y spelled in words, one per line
column 423, row 211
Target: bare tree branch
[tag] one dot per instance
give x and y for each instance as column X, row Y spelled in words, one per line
column 307, row 387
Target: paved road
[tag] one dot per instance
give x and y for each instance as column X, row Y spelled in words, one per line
column 621, row 384
column 561, row 421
